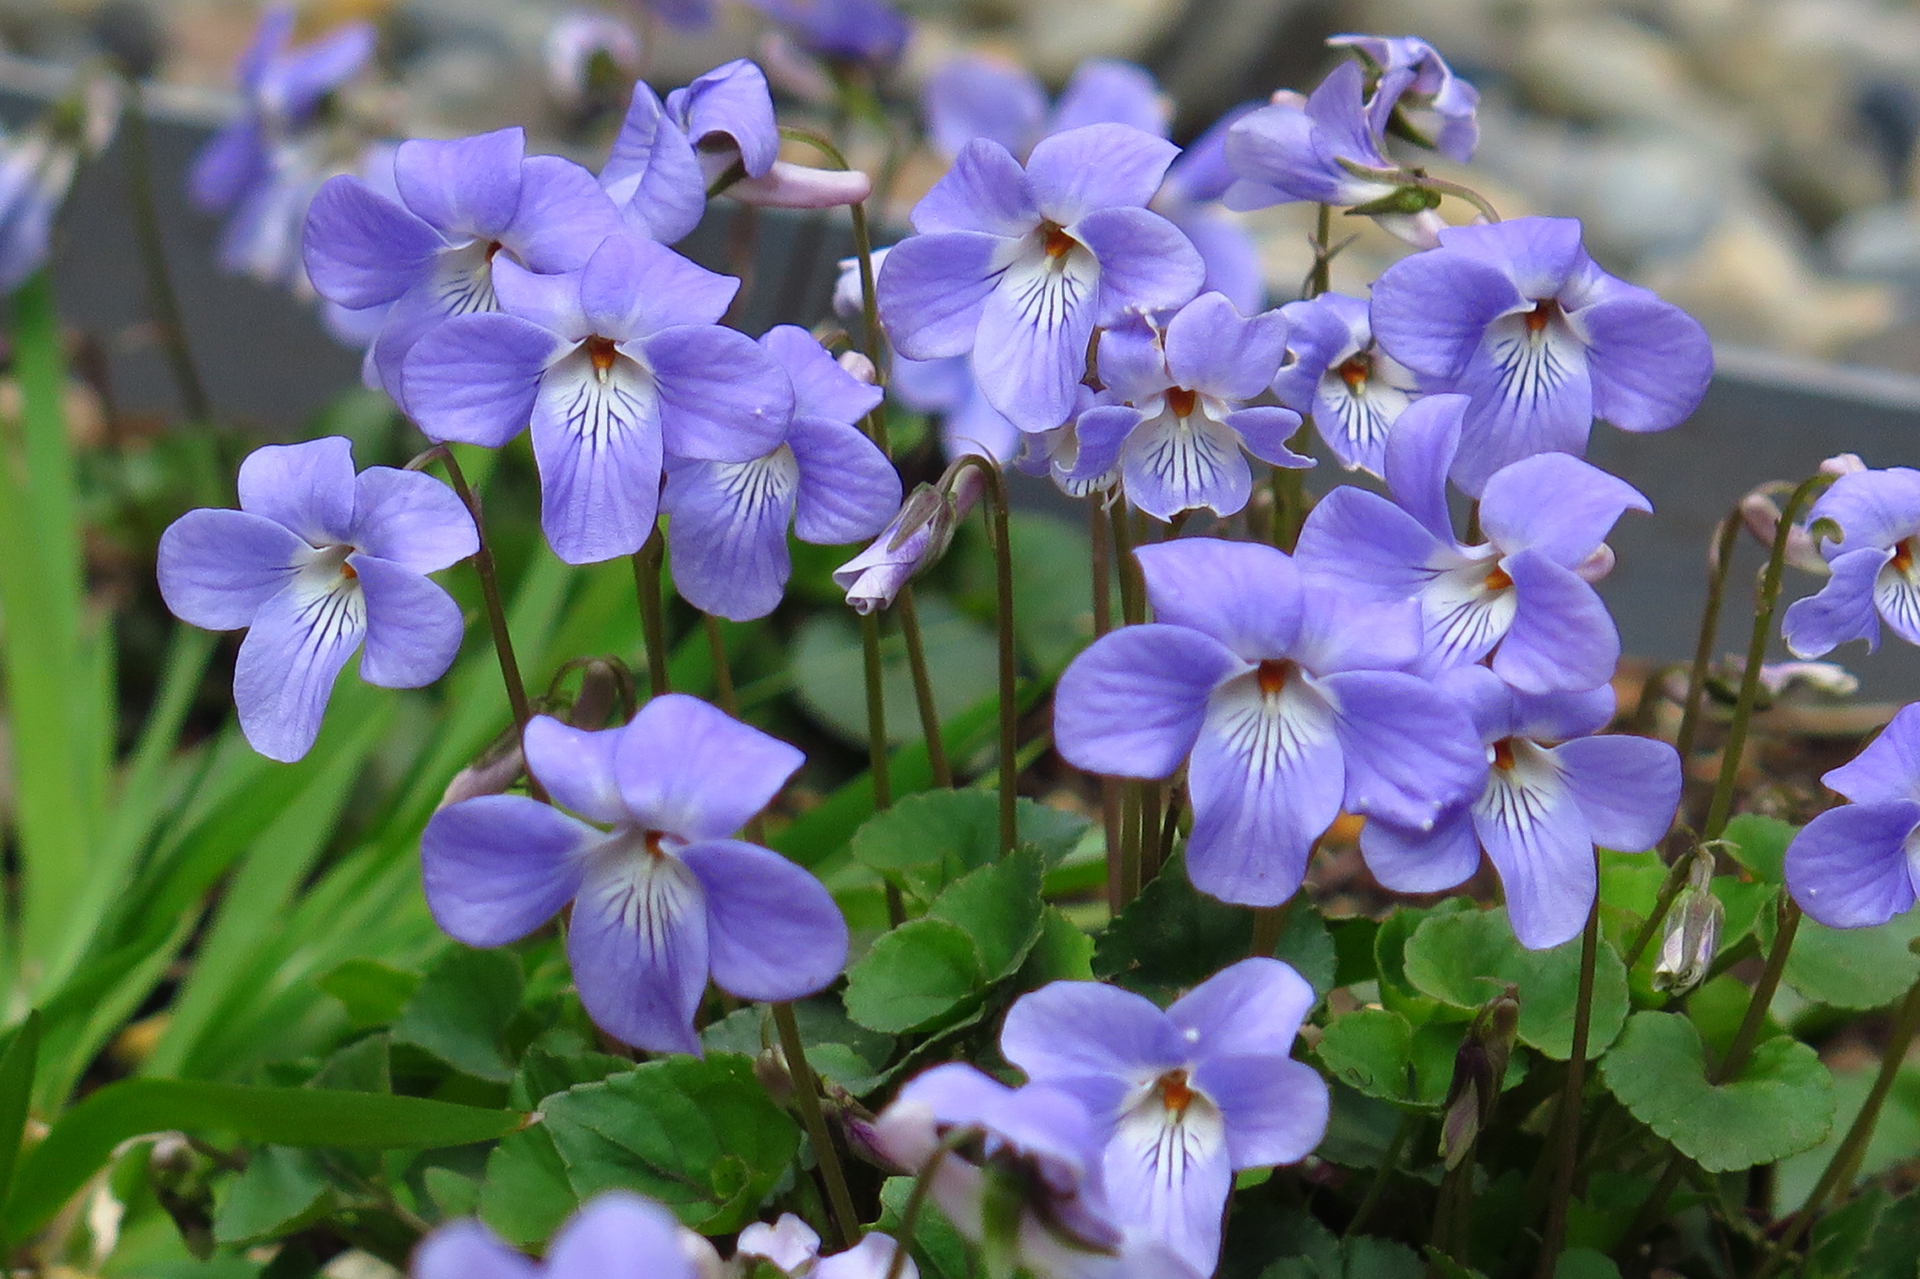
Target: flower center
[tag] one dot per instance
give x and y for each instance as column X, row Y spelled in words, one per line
column 1181, row 401
column 1503, row 753
column 1903, row 557
column 1542, row 315
column 603, row 353
column 1498, row 580
column 1058, row 243
column 1355, row 371
column 651, row 841
column 1175, row 1093
column 1273, row 676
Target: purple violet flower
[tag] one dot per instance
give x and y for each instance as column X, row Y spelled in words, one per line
column 1035, row 1147
column 280, row 87
column 1523, row 595
column 1854, row 866
column 1190, row 199
column 1178, row 432
column 1188, row 1096
column 1353, row 391
column 617, row 366
column 977, row 95
column 728, row 522
column 464, row 206
column 792, row 1247
column 913, row 541
column 865, row 32
column 315, row 561
column 1434, row 106
column 36, row 170
column 1872, row 564
column 1018, row 266
column 1325, row 147
column 1517, row 316
column 1553, row 792
column 661, row 898
column 968, row 424
column 586, row 49
column 1274, row 684
column 615, row 1235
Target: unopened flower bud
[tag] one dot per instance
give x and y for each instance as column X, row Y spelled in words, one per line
column 699, row 1250
column 796, row 186
column 789, row 1245
column 916, row 539
column 1692, row 931
column 1822, row 677
column 1842, row 464
column 1479, row 1067
column 1761, row 514
column 860, row 367
column 770, row 1068
column 849, row 299
column 789, row 69
column 491, row 774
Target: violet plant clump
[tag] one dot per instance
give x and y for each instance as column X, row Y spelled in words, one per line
column 1256, row 870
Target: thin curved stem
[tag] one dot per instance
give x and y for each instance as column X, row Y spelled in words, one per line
column 722, row 668
column 153, row 260
column 1669, row 890
column 917, row 1197
column 1717, row 572
column 937, row 762
column 653, row 625
column 806, row 1093
column 1567, row 1122
column 1000, row 531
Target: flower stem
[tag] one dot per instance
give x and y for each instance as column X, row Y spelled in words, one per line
column 722, row 668
column 1100, row 538
column 1321, row 278
column 1669, row 890
column 806, row 1093
column 1717, row 571
column 153, row 261
column 917, row 1197
column 653, row 624
column 1129, row 840
column 1000, row 532
column 877, row 764
column 1719, row 810
column 1269, row 922
column 937, row 762
column 1567, row 1123
column 483, row 565
column 1133, row 602
column 1846, row 1159
column 1388, row 1164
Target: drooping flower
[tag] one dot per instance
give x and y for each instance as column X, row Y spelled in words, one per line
column 1523, row 595
column 1033, row 1153
column 1183, row 419
column 978, row 95
column 617, row 366
column 1431, row 105
column 792, row 1247
column 465, row 206
column 1018, row 266
column 1354, row 391
column 281, row 87
column 864, row 32
column 314, row 562
column 615, row 1235
column 661, row 897
column 1874, row 577
column 1854, row 866
column 1554, row 791
column 912, row 542
column 1188, row 1096
column 1517, row 316
column 728, row 522
column 1277, row 690
column 1324, row 147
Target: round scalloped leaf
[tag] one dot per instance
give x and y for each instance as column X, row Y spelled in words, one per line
column 1779, row 1105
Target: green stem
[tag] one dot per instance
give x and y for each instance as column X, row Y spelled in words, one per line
column 917, row 1197
column 483, row 565
column 1846, row 1159
column 1268, row 923
column 1000, row 533
column 1567, row 1123
column 877, row 763
column 1133, row 601
column 1722, row 805
column 722, row 669
column 1321, row 279
column 153, row 261
column 806, row 1092
column 653, row 624
column 1129, row 840
column 1717, row 573
column 1378, row 1188
column 941, row 769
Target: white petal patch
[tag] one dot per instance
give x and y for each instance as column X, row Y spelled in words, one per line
column 1464, row 616
column 750, row 487
column 1896, row 593
column 1271, row 731
column 645, row 887
column 1360, row 399
column 1524, row 785
column 1535, row 353
column 332, row 604
column 1174, row 464
column 597, row 404
column 463, row 279
column 1047, row 287
column 1157, row 1165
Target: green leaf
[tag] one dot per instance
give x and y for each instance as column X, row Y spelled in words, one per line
column 829, row 677
column 913, row 975
column 999, row 907
column 697, row 1134
column 1374, row 1051
column 1052, row 589
column 1895, row 1243
column 1839, row 1237
column 1366, row 1257
column 1780, row 1104
column 461, row 1011
column 837, row 1047
column 526, row 1194
column 17, row 1065
column 1063, row 952
column 372, row 992
column 926, row 841
column 1585, row 1263
column 454, row 1194
column 936, row 1245
column 1447, row 1268
column 1465, row 959
column 281, row 1191
column 1760, row 844
column 544, row 1072
column 1896, row 1135
column 1854, row 968
column 84, row 1138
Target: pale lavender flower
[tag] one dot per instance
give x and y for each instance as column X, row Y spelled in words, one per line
column 464, row 206
column 1517, row 316
column 36, row 170
column 1553, row 792
column 1353, row 391
column 1190, row 199
column 661, row 897
column 1035, row 1150
column 615, row 1235
column 968, row 424
column 865, row 32
column 616, row 366
column 1432, row 106
column 1018, row 266
column 280, row 88
column 1523, row 595
column 586, row 52
column 1854, row 866
column 1325, row 147
column 978, row 95
column 1874, row 577
column 1183, row 419
column 1275, row 688
column 792, row 1247
column 728, row 522
column 912, row 542
column 314, row 562
column 1188, row 1096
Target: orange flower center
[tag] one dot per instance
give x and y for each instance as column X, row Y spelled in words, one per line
column 602, row 352
column 1355, row 372
column 1498, row 579
column 1181, row 401
column 1542, row 315
column 1058, row 242
column 1503, row 753
column 348, row 571
column 1903, row 557
column 1273, row 677
column 1175, row 1094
